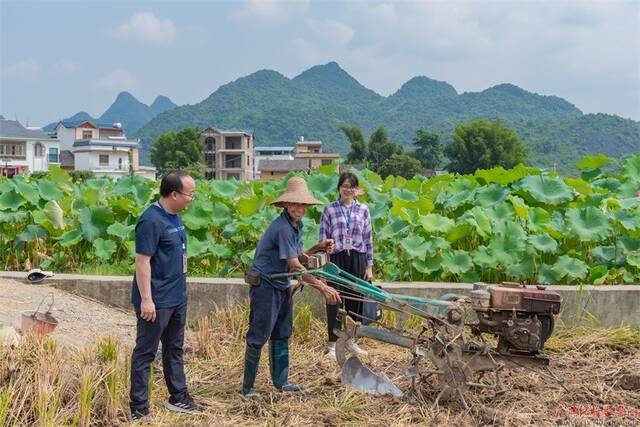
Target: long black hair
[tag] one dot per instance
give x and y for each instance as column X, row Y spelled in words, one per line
column 348, row 176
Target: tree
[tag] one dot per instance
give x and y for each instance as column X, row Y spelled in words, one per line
column 483, row 144
column 359, row 148
column 429, row 150
column 400, row 165
column 181, row 150
column 381, row 148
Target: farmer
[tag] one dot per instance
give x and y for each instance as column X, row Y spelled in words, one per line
column 159, row 295
column 279, row 251
column 348, row 224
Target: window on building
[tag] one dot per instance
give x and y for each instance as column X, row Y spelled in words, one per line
column 233, row 142
column 104, row 160
column 233, row 161
column 12, row 150
column 210, row 143
column 38, row 150
column 120, row 163
column 326, row 162
column 210, row 159
column 87, row 134
column 53, row 155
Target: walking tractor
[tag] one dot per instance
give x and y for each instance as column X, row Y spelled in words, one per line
column 520, row 317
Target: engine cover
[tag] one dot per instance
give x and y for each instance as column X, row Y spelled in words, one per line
column 522, row 334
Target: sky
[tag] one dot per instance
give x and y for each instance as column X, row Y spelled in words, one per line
column 58, row 58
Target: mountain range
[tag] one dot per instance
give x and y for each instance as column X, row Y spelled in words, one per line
column 126, row 109
column 315, row 103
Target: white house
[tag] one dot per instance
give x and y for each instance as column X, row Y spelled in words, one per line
column 25, row 150
column 101, row 148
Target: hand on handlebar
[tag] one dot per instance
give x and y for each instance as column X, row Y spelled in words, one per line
column 330, row 295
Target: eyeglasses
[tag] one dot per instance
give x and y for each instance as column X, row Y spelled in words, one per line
column 191, row 196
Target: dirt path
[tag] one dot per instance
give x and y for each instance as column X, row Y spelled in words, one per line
column 81, row 321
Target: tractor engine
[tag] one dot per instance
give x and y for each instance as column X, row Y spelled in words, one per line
column 521, row 317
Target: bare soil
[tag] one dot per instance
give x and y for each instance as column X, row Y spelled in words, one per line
column 81, row 321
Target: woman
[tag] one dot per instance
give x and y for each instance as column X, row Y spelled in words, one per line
column 348, row 223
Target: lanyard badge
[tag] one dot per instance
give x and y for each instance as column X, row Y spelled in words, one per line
column 347, row 241
column 184, row 259
column 177, row 223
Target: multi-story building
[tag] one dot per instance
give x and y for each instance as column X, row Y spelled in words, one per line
column 312, row 152
column 99, row 147
column 271, row 153
column 308, row 156
column 25, row 150
column 227, row 154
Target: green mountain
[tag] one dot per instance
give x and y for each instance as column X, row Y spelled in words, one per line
column 316, row 102
column 126, row 109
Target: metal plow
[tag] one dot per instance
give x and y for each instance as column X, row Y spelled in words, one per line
column 455, row 352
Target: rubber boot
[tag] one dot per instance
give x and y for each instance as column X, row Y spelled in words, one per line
column 279, row 364
column 251, row 361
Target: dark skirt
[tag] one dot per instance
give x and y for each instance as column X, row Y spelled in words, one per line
column 354, row 263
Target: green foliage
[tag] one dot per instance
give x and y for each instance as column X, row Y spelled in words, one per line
column 79, row 176
column 428, row 149
column 400, row 165
column 504, row 224
column 381, row 148
column 178, row 150
column 359, row 146
column 39, row 174
column 483, row 144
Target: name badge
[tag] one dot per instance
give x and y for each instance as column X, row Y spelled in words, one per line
column 348, row 243
column 184, row 260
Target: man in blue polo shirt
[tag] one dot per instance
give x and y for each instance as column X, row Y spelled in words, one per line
column 280, row 251
column 159, row 295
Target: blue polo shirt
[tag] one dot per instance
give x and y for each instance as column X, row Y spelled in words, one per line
column 281, row 241
column 161, row 236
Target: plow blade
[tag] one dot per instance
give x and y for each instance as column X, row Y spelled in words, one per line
column 365, row 380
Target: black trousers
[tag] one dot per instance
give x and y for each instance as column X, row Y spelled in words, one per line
column 168, row 328
column 356, row 264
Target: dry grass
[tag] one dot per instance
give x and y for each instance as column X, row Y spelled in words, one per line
column 41, row 384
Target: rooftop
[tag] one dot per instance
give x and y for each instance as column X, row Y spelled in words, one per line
column 13, row 129
column 106, row 143
column 283, row 165
column 99, row 125
column 283, row 148
column 247, row 132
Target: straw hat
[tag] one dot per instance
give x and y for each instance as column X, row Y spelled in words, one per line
column 296, row 192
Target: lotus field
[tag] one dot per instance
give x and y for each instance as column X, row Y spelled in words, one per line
column 522, row 224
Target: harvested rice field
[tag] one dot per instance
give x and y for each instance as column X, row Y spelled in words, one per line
column 43, row 382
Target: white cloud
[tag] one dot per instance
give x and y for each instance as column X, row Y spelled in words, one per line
column 25, row 69
column 331, row 31
column 67, row 66
column 270, row 10
column 119, row 80
column 146, row 26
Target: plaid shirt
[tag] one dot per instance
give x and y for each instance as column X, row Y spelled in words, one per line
column 333, row 225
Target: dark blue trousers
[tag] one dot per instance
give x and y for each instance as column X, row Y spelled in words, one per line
column 168, row 328
column 270, row 315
